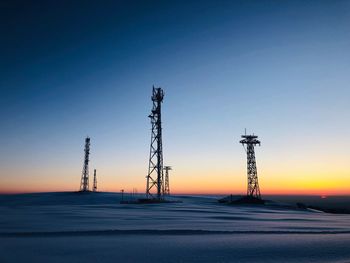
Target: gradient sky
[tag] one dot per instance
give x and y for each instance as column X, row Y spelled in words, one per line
column 281, row 69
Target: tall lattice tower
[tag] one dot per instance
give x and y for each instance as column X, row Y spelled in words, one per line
column 84, row 183
column 166, row 180
column 155, row 167
column 253, row 184
column 94, row 187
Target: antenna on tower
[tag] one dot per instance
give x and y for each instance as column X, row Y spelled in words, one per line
column 155, row 167
column 94, row 188
column 166, row 181
column 156, row 185
column 84, row 183
column 253, row 190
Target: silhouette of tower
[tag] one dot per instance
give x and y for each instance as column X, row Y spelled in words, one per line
column 166, row 181
column 155, row 167
column 253, row 184
column 94, row 187
column 84, row 183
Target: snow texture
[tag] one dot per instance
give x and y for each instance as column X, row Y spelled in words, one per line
column 94, row 227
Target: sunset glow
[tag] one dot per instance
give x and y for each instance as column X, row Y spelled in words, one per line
column 279, row 70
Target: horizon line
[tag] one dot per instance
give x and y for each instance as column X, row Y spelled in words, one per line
column 175, row 194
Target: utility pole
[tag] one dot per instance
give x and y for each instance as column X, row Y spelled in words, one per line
column 166, row 181
column 94, row 188
column 84, row 182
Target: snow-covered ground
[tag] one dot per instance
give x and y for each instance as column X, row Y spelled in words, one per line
column 94, row 227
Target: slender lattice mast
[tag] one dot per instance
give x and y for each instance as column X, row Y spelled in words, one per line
column 84, row 183
column 166, row 180
column 155, row 167
column 94, row 187
column 253, row 189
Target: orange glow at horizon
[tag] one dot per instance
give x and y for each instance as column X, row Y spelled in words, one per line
column 224, row 184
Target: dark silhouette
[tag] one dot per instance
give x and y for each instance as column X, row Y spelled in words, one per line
column 253, row 189
column 155, row 168
column 166, row 180
column 94, row 187
column 84, row 183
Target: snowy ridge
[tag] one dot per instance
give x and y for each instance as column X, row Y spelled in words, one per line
column 95, row 227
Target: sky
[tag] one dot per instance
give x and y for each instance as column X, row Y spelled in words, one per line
column 71, row 69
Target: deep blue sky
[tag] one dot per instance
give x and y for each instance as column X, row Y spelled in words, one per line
column 76, row 68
